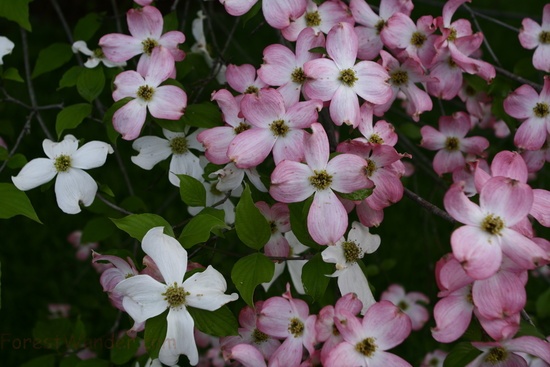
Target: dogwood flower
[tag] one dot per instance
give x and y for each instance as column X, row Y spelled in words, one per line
column 66, row 161
column 411, row 303
column 535, row 36
column 6, row 46
column 164, row 102
column 94, row 57
column 145, row 297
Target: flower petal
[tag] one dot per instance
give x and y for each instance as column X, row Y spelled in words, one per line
column 152, row 150
column 74, row 187
column 180, row 338
column 207, row 290
column 327, row 219
column 35, row 173
column 143, row 297
column 167, row 253
column 91, row 155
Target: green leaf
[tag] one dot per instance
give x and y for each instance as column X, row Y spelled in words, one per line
column 221, row 322
column 12, row 74
column 155, row 333
column 543, row 305
column 87, row 26
column 356, row 195
column 461, row 355
column 124, row 349
column 252, row 227
column 249, row 272
column 17, row 160
column 527, row 329
column 198, row 229
column 43, row 361
column 411, row 130
column 15, row 202
column 97, row 230
column 298, row 222
column 170, row 22
column 314, row 276
column 251, row 13
column 71, row 116
column 206, row 114
column 70, row 77
column 318, row 50
column 90, row 83
column 18, row 11
column 51, row 58
column 192, row 191
column 52, row 334
column 137, row 225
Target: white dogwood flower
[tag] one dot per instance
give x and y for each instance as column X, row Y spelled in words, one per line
column 6, row 46
column 145, row 297
column 94, row 57
column 73, row 186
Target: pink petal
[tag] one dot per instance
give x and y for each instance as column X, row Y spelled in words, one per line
column 344, row 354
column 323, row 83
column 279, row 63
column 531, row 135
column 372, row 85
column 317, row 148
column 342, row 45
column 460, row 207
column 129, row 119
column 327, row 219
column 290, row 147
column 279, row 13
column 348, row 173
column 452, row 315
column 520, row 103
column 168, row 102
column 263, row 108
column 127, row 84
column 387, row 323
column 541, row 58
column 145, row 23
column 120, row 47
column 251, row 147
column 499, row 296
column 507, row 198
column 161, row 66
column 529, row 33
column 290, row 182
column 521, row 250
column 344, row 107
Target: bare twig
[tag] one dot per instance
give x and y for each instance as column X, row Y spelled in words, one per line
column 428, row 206
column 111, row 205
column 517, row 78
column 24, row 131
column 489, row 48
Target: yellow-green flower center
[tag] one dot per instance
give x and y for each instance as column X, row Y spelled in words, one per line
column 148, row 45
column 258, row 337
column 418, row 39
column 544, row 37
column 321, row 180
column 380, row 25
column 492, row 224
column 376, row 139
column 370, row 168
column 452, row 35
column 145, row 92
column 296, row 327
column 175, row 295
column 62, row 163
column 367, row 347
column 352, row 252
column 403, row 305
column 179, row 145
column 452, row 143
column 399, row 77
column 496, row 355
column 298, row 76
column 541, row 110
column 251, row 90
column 279, row 128
column 348, row 77
column 313, row 19
column 242, row 127
column 98, row 52
column 273, row 227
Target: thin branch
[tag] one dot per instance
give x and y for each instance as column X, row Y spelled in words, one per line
column 428, row 206
column 494, row 20
column 489, row 48
column 111, row 205
column 24, row 131
column 518, row 78
column 117, row 18
column 30, row 86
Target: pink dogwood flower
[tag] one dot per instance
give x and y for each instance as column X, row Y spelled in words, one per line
column 145, row 26
column 341, row 80
column 365, row 342
column 534, row 109
column 535, row 36
column 412, row 303
column 278, row 13
column 164, row 102
column 508, row 352
column 293, row 182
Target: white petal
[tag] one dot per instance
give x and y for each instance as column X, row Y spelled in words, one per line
column 152, row 150
column 207, row 290
column 6, row 46
column 187, row 164
column 353, row 280
column 279, row 267
column 35, row 173
column 295, row 270
column 74, row 187
column 167, row 253
column 143, row 297
column 67, row 146
column 363, row 238
column 179, row 338
column 82, row 47
column 334, row 254
column 91, row 155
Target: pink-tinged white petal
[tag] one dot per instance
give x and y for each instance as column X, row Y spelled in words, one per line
column 511, row 165
column 263, row 108
column 275, row 316
column 341, row 45
column 344, row 354
column 247, row 355
column 74, row 187
column 432, row 139
column 240, row 77
column 290, row 147
column 327, row 219
column 279, row 63
column 460, row 207
column 348, row 173
column 288, row 354
column 127, row 84
column 387, row 323
column 529, row 344
column 152, row 150
column 541, row 58
column 207, row 290
column 344, row 107
column 369, row 41
column 303, row 114
column 499, row 296
column 520, row 102
column 388, row 190
column 531, row 134
column 290, row 182
column 389, row 7
column 171, row 40
column 35, row 173
column 307, row 39
column 474, row 145
column 143, row 297
column 251, row 147
column 184, row 164
column 507, row 198
column 541, row 203
column 279, row 13
column 180, row 338
column 521, row 250
column 160, row 68
column 317, row 148
column 145, row 23
column 216, row 142
column 167, row 253
column 129, row 119
column 447, row 161
column 323, row 75
column 120, row 47
column 452, row 315
column 91, row 155
column 168, row 102
column 372, row 85
column 529, row 33
column 238, row 7
column 387, row 359
column 478, row 251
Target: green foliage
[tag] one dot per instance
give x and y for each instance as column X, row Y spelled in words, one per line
column 192, row 191
column 16, row 10
column 70, row 77
column 87, row 27
column 90, row 83
column 155, row 333
column 461, row 355
column 204, row 115
column 52, row 58
column 12, row 74
column 97, row 229
column 124, row 349
column 314, row 276
column 199, row 228
column 252, row 227
column 71, row 116
column 137, row 225
column 15, row 202
column 358, row 195
column 220, row 322
column 298, row 212
column 249, row 272
column 543, row 305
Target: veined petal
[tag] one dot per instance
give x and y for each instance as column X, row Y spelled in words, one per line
column 520, row 103
column 279, row 13
column 207, row 290
column 521, row 250
column 251, row 147
column 387, row 323
column 460, row 207
column 344, row 354
column 143, row 297
column 74, row 187
column 327, row 219
column 169, row 102
column 127, row 84
column 348, row 173
column 288, row 354
column 247, row 355
column 279, row 63
column 371, row 84
column 342, row 45
column 152, row 150
column 160, row 67
column 382, row 358
column 507, row 198
column 452, row 315
column 354, row 280
column 129, row 119
column 120, row 47
column 323, row 74
column 145, row 23
column 167, row 253
column 91, row 155
column 290, row 147
column 35, row 173
column 180, row 338
column 290, row 182
column 317, row 148
column 263, row 108
column 344, row 107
